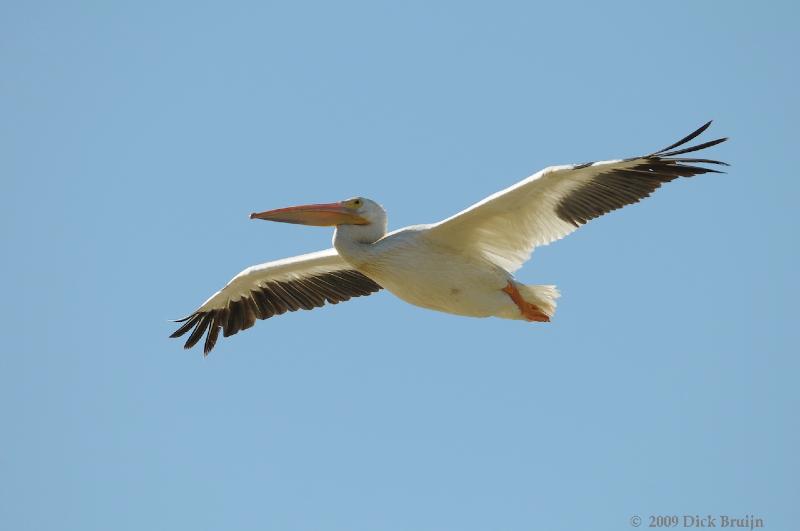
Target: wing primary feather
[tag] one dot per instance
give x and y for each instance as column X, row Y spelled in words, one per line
column 698, row 147
column 222, row 318
column 235, row 318
column 213, row 334
column 197, row 333
column 262, row 304
column 688, row 138
column 702, row 161
column 186, row 326
column 248, row 313
column 269, row 299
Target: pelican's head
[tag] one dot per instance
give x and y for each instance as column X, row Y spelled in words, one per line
column 354, row 211
column 359, row 218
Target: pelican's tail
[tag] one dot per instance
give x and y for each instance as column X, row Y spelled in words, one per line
column 543, row 297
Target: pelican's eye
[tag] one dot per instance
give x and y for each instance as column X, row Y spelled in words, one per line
column 356, row 203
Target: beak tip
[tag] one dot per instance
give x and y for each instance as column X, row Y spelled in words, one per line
column 252, row 215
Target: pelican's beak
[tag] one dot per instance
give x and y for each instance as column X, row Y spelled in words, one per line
column 322, row 215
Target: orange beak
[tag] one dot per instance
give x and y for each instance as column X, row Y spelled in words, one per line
column 321, row 215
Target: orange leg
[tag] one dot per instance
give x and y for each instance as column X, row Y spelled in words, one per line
column 531, row 312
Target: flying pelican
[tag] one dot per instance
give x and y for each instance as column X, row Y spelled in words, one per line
column 463, row 265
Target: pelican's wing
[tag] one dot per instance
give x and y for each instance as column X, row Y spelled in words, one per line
column 507, row 226
column 259, row 292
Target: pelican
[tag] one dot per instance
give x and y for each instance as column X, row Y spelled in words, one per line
column 463, row 265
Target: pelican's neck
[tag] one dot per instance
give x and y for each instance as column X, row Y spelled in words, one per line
column 354, row 242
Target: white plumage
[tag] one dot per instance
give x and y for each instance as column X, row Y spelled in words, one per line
column 462, row 265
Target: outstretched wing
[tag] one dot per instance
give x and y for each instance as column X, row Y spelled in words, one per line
column 507, row 226
column 300, row 283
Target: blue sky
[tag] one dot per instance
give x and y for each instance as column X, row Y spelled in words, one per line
column 136, row 137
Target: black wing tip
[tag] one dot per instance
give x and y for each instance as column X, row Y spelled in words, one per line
column 189, row 323
column 691, row 149
column 671, row 151
column 611, row 189
column 199, row 323
column 275, row 298
column 688, row 138
column 206, row 350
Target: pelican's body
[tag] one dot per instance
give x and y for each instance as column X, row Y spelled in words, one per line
column 463, row 265
column 421, row 271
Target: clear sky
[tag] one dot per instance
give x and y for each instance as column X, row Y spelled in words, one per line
column 135, row 138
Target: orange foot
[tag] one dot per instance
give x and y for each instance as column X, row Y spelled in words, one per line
column 531, row 312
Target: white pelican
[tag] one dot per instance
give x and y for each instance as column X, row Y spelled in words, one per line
column 462, row 265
